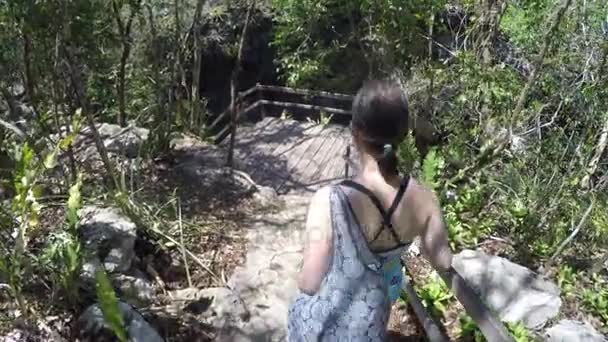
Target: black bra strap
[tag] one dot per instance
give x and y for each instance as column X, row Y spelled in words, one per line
column 351, row 184
column 386, row 216
column 402, row 187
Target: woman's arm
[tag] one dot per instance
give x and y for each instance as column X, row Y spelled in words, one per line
column 318, row 243
column 434, row 236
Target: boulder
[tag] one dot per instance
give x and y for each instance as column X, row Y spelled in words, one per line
column 573, row 331
column 91, row 326
column 186, row 143
column 515, row 292
column 266, row 196
column 135, row 290
column 124, row 141
column 193, row 172
column 108, row 238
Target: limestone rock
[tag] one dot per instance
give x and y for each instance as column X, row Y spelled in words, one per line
column 195, row 173
column 573, row 331
column 108, row 238
column 14, row 335
column 266, row 196
column 91, row 325
column 515, row 292
column 137, row 291
column 124, row 141
column 186, row 143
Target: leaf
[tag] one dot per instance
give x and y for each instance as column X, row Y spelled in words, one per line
column 74, row 202
column 431, row 166
column 26, row 154
column 109, row 305
column 50, row 161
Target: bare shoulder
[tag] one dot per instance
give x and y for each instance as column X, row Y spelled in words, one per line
column 421, row 193
column 424, row 202
column 318, row 221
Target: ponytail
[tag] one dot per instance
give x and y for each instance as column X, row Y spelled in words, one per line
column 380, row 115
column 387, row 161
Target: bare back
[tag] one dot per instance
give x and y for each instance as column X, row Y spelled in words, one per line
column 417, row 214
column 406, row 220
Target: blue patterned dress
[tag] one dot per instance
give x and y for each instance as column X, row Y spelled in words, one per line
column 352, row 303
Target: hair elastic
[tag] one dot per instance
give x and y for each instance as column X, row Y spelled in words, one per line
column 388, row 149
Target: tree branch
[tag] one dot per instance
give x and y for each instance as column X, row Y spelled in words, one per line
column 571, row 237
column 234, row 86
column 599, row 149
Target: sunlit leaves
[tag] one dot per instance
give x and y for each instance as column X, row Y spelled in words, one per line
column 109, row 305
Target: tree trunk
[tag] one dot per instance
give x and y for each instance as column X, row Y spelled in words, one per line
column 234, row 87
column 486, row 31
column 547, row 40
column 173, row 68
column 161, row 132
column 125, row 35
column 30, row 82
column 81, row 98
column 196, row 70
column 599, row 149
column 122, row 115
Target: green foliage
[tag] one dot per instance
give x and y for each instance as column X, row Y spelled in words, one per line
column 314, row 38
column 432, row 166
column 566, row 280
column 435, row 295
column 63, row 254
column 26, row 208
column 519, row 332
column 409, row 157
column 109, row 305
column 285, row 115
column 595, row 299
column 470, row 330
column 18, row 265
column 324, row 119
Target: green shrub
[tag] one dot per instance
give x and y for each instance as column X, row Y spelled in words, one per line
column 435, row 295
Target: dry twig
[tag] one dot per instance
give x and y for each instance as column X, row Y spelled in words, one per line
column 571, row 237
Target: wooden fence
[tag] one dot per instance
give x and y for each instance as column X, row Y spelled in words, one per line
column 262, row 100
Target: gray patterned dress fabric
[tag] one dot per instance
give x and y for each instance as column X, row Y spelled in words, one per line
column 352, row 303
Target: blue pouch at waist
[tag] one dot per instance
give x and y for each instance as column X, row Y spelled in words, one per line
column 393, row 276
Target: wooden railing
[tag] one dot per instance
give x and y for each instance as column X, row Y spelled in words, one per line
column 263, row 99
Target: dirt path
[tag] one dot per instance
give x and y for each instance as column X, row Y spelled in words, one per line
column 266, row 282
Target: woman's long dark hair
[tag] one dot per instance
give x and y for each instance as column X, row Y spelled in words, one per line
column 380, row 114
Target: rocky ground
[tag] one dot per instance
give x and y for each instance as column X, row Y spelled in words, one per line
column 235, row 276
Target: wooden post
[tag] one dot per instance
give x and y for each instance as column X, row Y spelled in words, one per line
column 260, row 96
column 346, row 161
